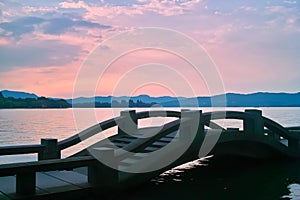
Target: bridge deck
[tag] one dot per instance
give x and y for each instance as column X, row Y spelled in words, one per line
column 47, row 183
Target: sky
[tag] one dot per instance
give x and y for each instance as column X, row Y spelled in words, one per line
column 254, row 45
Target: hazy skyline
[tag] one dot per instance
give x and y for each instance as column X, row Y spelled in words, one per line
column 255, row 44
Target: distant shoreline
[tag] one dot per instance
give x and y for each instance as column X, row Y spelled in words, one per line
column 147, row 107
column 22, row 100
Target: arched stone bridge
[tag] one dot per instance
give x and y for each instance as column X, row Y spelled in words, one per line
column 136, row 154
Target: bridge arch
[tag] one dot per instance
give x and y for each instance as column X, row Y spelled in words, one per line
column 260, row 137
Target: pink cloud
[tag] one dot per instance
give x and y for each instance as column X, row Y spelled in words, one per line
column 279, row 9
column 41, row 9
column 152, row 71
column 55, row 81
column 3, row 41
column 240, row 54
column 85, row 42
column 79, row 4
column 168, row 8
column 100, row 11
column 246, row 68
column 162, row 7
column 248, row 8
column 215, row 37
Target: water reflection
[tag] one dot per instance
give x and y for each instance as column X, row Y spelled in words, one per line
column 225, row 178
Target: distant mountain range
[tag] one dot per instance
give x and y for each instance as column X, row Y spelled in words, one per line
column 259, row 99
column 18, row 95
column 12, row 99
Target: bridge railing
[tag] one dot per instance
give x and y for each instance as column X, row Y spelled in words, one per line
column 293, row 128
column 51, row 148
column 46, row 150
column 253, row 124
column 49, row 154
column 256, row 125
column 25, row 173
column 21, row 149
column 127, row 123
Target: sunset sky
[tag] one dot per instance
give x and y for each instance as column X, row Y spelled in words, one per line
column 255, row 44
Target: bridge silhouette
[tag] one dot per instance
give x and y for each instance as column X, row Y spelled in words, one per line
column 134, row 155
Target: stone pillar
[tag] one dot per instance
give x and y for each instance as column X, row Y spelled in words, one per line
column 129, row 125
column 191, row 126
column 104, row 173
column 50, row 150
column 254, row 125
column 25, row 183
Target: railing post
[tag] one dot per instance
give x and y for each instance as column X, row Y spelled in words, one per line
column 128, row 126
column 25, row 183
column 254, row 125
column 50, row 151
column 193, row 128
column 103, row 174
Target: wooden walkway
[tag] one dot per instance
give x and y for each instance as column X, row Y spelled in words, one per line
column 138, row 154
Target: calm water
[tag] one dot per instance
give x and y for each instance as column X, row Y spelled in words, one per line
column 211, row 179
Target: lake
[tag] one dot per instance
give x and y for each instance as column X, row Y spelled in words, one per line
column 207, row 179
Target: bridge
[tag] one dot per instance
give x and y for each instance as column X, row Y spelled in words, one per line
column 134, row 155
